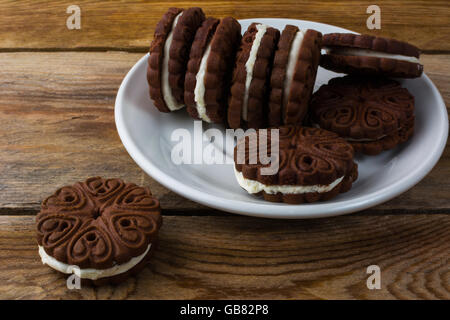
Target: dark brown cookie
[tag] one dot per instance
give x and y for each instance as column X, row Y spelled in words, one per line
column 313, row 165
column 99, row 224
column 187, row 23
column 223, row 40
column 183, row 36
column 369, row 55
column 293, row 109
column 373, row 114
column 124, row 276
column 155, row 59
column 258, row 90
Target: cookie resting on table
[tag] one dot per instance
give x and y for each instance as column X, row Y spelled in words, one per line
column 103, row 230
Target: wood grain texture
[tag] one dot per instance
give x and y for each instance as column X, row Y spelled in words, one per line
column 57, row 127
column 237, row 257
column 31, row 24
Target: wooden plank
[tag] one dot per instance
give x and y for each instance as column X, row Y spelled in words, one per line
column 417, row 22
column 57, row 127
column 130, row 24
column 237, row 257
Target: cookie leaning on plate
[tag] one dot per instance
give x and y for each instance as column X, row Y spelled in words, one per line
column 293, row 75
column 105, row 228
column 369, row 55
column 210, row 68
column 251, row 76
column 313, row 165
column 169, row 54
column 373, row 114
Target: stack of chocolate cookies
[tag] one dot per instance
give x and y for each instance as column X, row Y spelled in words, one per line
column 265, row 79
column 252, row 81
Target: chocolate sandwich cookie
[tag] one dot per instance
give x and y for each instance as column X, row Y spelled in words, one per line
column 293, row 75
column 369, row 55
column 251, row 77
column 210, row 68
column 313, row 165
column 373, row 114
column 169, row 54
column 103, row 230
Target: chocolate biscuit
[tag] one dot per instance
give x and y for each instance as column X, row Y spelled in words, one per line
column 313, row 165
column 182, row 35
column 370, row 55
column 373, row 114
column 217, row 43
column 291, row 107
column 249, row 94
column 100, row 224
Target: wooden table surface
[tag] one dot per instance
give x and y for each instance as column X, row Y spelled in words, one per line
column 57, row 127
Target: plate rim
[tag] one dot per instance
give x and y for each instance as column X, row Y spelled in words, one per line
column 319, row 210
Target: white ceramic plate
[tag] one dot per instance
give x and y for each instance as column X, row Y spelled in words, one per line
column 146, row 134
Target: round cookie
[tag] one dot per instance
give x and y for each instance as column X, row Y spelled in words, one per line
column 373, row 114
column 104, row 227
column 293, row 75
column 251, row 77
column 169, row 54
column 313, row 165
column 369, row 55
column 209, row 70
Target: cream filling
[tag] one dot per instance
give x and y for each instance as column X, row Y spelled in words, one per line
column 250, row 64
column 90, row 273
column 170, row 101
column 290, row 67
column 370, row 53
column 252, row 186
column 199, row 91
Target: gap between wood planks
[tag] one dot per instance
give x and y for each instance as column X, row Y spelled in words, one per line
column 16, row 201
column 130, row 50
column 248, row 258
column 217, row 213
